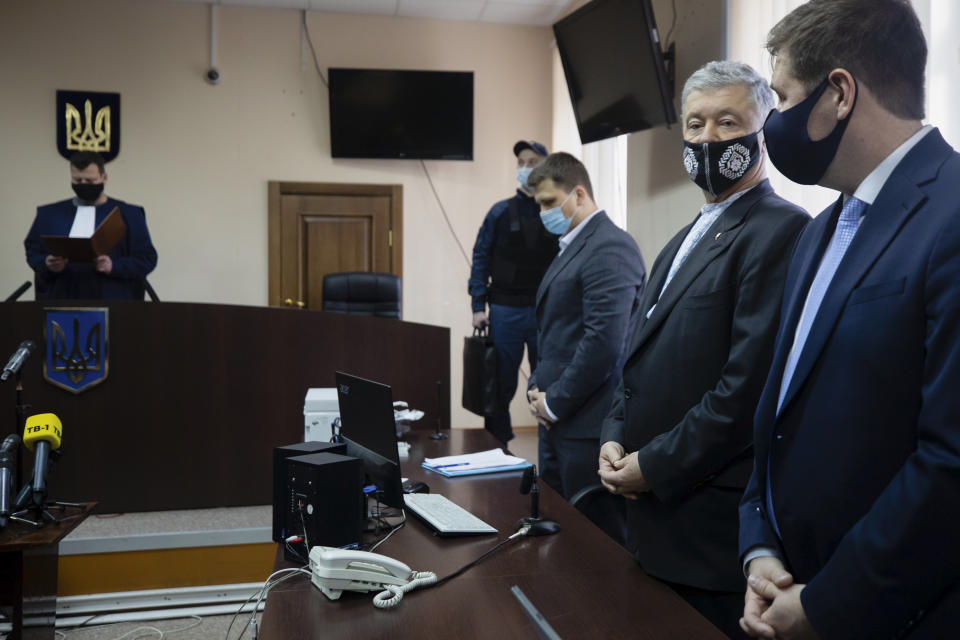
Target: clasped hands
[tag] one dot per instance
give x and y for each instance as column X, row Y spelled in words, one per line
column 772, row 607
column 620, row 473
column 538, row 407
column 56, row 264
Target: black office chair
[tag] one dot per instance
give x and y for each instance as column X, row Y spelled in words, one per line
column 604, row 509
column 361, row 293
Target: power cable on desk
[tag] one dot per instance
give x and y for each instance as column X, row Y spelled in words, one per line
column 392, row 531
column 483, row 557
column 267, row 585
column 303, row 524
column 288, row 545
column 392, row 594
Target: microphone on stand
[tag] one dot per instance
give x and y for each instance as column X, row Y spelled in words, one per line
column 23, row 498
column 538, row 526
column 18, row 358
column 42, row 435
column 19, row 292
column 8, row 469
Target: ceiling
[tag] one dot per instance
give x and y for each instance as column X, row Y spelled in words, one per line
column 529, row 12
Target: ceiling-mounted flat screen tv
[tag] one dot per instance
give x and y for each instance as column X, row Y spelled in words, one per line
column 611, row 56
column 379, row 113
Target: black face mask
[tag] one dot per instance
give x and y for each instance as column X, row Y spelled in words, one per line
column 717, row 166
column 791, row 150
column 88, row 192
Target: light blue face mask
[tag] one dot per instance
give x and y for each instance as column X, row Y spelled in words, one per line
column 553, row 219
column 522, row 174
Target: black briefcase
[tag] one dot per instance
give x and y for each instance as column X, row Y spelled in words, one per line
column 480, row 373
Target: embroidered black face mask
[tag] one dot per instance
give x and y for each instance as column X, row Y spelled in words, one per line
column 717, row 166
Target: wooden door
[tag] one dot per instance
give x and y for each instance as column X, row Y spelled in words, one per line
column 319, row 228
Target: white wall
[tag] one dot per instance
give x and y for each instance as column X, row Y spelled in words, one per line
column 661, row 199
column 199, row 157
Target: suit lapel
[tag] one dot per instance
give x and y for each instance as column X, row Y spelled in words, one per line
column 895, row 203
column 794, row 300
column 809, row 252
column 655, row 285
column 923, row 165
column 101, row 214
column 65, row 222
column 564, row 259
column 714, row 243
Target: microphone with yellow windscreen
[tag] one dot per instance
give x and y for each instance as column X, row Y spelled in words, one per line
column 42, row 435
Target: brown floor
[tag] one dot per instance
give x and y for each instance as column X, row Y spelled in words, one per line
column 524, row 443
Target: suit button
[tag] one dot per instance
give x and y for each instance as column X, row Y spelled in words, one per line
column 627, row 393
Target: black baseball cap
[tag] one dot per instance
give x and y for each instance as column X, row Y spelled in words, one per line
column 536, row 147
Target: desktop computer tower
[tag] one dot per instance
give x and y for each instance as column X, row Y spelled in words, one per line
column 280, row 456
column 324, row 501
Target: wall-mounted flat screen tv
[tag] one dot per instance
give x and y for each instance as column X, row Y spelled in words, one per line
column 379, row 113
column 611, row 56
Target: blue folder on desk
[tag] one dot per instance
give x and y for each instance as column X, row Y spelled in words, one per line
column 492, row 461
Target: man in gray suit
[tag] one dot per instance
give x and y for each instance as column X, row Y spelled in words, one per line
column 586, row 307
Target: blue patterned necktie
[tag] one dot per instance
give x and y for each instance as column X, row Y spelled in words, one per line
column 847, row 226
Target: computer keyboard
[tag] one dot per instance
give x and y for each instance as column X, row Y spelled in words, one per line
column 446, row 517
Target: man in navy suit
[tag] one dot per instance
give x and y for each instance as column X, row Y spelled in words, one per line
column 586, row 305
column 117, row 275
column 849, row 525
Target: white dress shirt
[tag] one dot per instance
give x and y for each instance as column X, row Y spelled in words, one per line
column 568, row 238
column 83, row 222
column 709, row 213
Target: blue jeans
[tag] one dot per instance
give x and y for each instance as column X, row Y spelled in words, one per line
column 510, row 328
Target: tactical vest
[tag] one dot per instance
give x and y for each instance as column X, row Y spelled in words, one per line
column 521, row 255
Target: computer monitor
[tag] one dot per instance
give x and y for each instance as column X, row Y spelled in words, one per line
column 368, row 427
column 615, row 71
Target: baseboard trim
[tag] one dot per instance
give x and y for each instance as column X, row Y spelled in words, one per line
column 71, row 546
column 150, row 604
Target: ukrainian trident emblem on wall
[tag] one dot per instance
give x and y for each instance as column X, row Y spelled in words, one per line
column 76, row 342
column 88, row 121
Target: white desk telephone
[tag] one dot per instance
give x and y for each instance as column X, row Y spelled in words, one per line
column 337, row 570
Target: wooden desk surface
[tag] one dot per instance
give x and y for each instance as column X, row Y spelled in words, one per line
column 18, row 536
column 583, row 583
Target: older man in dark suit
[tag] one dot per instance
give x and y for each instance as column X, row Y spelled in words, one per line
column 678, row 438
column 586, row 304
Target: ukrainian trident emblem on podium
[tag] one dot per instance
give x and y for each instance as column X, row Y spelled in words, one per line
column 76, row 341
column 88, row 121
